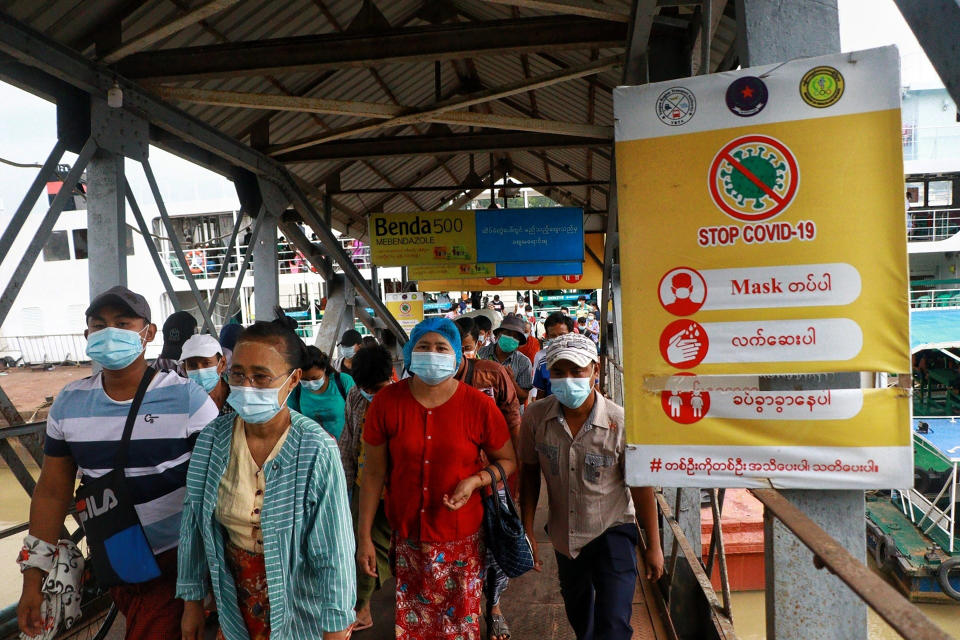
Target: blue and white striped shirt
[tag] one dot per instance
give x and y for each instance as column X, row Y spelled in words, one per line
column 308, row 544
column 86, row 424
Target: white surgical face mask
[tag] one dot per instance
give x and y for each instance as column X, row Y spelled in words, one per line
column 682, row 292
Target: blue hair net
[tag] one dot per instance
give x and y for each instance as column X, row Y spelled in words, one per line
column 443, row 326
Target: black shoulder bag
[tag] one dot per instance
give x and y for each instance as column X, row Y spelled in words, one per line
column 119, row 550
column 503, row 530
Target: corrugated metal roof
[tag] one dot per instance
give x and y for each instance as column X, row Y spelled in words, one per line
column 73, row 22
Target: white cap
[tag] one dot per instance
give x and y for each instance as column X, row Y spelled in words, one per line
column 200, row 345
column 575, row 347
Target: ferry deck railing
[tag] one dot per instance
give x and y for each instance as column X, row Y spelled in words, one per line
column 934, row 298
column 929, row 225
column 205, row 261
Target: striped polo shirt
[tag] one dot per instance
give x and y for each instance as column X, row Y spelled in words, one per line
column 86, row 424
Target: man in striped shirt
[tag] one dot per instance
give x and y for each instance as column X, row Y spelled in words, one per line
column 84, row 430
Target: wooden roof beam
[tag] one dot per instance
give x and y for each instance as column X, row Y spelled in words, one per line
column 433, row 42
column 571, row 7
column 441, row 112
column 155, row 35
column 431, row 145
column 375, row 110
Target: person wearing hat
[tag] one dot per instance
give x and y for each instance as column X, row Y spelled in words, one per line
column 350, row 341
column 426, row 433
column 203, row 361
column 557, row 324
column 84, row 428
column 576, row 440
column 177, row 328
column 228, row 339
column 510, row 335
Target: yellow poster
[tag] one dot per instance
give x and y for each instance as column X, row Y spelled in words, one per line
column 762, row 232
column 450, row 271
column 438, row 237
column 591, row 278
column 407, row 308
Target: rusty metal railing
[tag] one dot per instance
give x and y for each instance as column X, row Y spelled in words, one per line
column 905, row 618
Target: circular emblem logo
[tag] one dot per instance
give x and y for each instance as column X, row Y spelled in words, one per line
column 572, row 279
column 747, row 96
column 494, row 281
column 405, row 308
column 821, row 87
column 533, row 279
column 753, row 178
column 676, row 106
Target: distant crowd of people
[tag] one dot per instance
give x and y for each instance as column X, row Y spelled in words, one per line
column 260, row 484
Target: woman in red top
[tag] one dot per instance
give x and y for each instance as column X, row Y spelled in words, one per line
column 422, row 439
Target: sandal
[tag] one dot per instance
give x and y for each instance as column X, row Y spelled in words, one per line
column 497, row 626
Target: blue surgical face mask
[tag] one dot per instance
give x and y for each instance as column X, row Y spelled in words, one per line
column 431, row 367
column 571, row 392
column 206, row 378
column 367, row 396
column 313, row 385
column 254, row 405
column 507, row 344
column 348, row 352
column 114, row 348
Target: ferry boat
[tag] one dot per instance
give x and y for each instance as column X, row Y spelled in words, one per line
column 912, row 532
column 46, row 322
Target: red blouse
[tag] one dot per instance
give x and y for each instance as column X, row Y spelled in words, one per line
column 430, row 451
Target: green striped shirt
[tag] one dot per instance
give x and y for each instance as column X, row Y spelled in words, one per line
column 307, row 534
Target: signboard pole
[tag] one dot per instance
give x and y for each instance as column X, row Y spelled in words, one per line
column 797, row 593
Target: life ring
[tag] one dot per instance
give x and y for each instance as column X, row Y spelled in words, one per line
column 196, row 261
column 943, row 576
column 921, row 480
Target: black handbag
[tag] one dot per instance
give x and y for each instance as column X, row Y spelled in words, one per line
column 119, row 550
column 504, row 532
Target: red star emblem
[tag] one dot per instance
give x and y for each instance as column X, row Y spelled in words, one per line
column 747, row 92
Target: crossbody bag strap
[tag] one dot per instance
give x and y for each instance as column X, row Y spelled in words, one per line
column 503, row 478
column 121, row 460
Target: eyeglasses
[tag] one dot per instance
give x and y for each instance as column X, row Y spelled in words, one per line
column 259, row 380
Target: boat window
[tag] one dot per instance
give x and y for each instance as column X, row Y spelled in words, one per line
column 939, row 193
column 80, row 251
column 915, row 195
column 57, row 247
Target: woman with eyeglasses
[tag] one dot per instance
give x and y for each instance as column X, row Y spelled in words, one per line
column 266, row 523
column 422, row 439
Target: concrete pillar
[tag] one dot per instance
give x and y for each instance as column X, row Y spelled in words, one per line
column 772, row 32
column 802, row 601
column 106, row 222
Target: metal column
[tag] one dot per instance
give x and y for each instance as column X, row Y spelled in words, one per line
column 798, row 594
column 106, row 222
column 266, row 264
